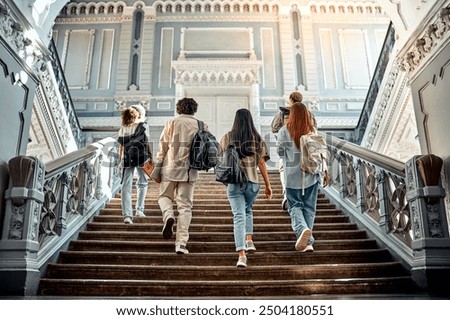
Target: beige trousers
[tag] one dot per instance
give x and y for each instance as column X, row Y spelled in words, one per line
column 183, row 194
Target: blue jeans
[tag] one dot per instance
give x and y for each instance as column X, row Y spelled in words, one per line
column 241, row 201
column 302, row 209
column 127, row 184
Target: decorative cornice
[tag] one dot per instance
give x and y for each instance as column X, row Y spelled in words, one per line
column 350, row 7
column 216, row 18
column 220, row 72
column 229, row 10
column 92, row 8
column 336, row 123
column 336, row 11
column 433, row 37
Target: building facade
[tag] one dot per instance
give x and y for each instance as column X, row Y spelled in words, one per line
column 69, row 67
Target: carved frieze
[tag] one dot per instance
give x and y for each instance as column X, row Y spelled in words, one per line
column 434, row 34
column 122, row 102
column 222, row 72
column 56, row 109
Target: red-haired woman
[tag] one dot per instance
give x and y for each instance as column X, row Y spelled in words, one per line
column 301, row 187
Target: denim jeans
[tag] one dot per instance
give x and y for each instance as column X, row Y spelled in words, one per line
column 241, row 200
column 302, row 209
column 127, row 184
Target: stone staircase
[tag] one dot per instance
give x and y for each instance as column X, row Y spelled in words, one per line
column 111, row 258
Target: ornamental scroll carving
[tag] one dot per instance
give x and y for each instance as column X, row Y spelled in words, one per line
column 436, row 32
column 27, row 175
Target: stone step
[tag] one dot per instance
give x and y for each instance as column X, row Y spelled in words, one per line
column 225, row 273
column 156, row 227
column 205, row 203
column 214, row 246
column 228, row 219
column 226, row 258
column 224, row 212
column 219, row 236
column 238, row 288
column 110, row 258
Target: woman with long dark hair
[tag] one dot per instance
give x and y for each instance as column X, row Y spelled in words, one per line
column 301, row 187
column 253, row 155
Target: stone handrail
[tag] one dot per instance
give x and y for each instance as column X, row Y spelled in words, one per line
column 63, row 89
column 375, row 85
column 400, row 204
column 48, row 204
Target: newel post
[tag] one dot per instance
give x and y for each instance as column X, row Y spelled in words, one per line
column 431, row 242
column 19, row 244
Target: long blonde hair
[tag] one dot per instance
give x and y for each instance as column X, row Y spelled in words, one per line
column 299, row 122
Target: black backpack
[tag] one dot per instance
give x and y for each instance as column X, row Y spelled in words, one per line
column 135, row 148
column 203, row 151
column 228, row 169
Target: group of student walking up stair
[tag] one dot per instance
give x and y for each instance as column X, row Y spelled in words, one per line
column 177, row 180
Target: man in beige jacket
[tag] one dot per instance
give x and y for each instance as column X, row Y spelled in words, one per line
column 172, row 168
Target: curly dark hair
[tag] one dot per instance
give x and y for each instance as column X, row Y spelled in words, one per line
column 129, row 116
column 296, row 97
column 187, row 106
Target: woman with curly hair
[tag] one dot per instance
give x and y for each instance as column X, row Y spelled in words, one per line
column 132, row 127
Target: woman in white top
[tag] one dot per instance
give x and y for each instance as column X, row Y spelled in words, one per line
column 132, row 124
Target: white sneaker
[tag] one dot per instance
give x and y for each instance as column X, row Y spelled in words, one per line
column 250, row 246
column 139, row 213
column 181, row 249
column 242, row 262
column 128, row 220
column 302, row 241
column 309, row 248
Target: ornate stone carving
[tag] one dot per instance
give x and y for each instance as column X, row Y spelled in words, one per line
column 13, row 33
column 123, row 102
column 434, row 34
column 223, row 72
column 25, row 196
column 379, row 113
